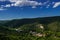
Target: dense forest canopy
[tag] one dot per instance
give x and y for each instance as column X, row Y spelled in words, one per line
column 45, row 28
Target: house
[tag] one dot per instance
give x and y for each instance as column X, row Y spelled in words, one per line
column 40, row 26
column 37, row 34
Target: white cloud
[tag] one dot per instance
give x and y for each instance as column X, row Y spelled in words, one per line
column 2, row 0
column 1, row 8
column 46, row 2
column 53, row 2
column 33, row 6
column 47, row 6
column 26, row 3
column 56, row 4
column 8, row 5
column 31, row 3
column 17, row 0
column 21, row 3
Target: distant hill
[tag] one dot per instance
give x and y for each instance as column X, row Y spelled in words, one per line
column 44, row 28
column 20, row 22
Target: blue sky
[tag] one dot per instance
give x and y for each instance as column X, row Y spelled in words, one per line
column 12, row 9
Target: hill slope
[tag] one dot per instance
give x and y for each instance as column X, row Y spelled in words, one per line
column 19, row 22
column 46, row 28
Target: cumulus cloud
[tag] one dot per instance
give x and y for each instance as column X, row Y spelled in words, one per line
column 17, row 0
column 56, row 4
column 29, row 3
column 25, row 3
column 21, row 3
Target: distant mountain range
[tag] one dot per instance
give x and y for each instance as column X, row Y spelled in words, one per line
column 20, row 22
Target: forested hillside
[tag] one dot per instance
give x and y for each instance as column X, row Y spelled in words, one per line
column 44, row 28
